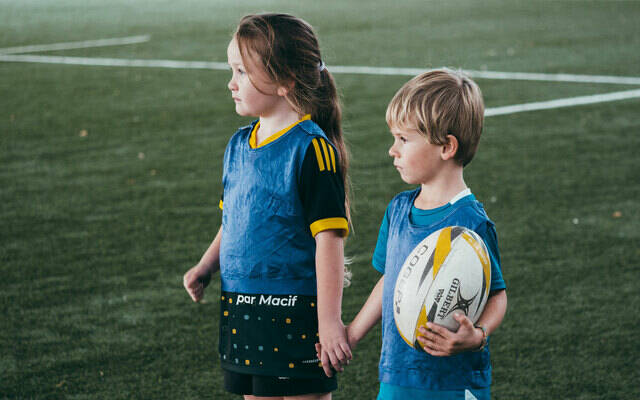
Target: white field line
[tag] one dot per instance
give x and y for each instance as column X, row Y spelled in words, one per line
column 76, row 45
column 339, row 69
column 544, row 105
column 520, row 76
column 114, row 62
column 525, row 76
column 558, row 103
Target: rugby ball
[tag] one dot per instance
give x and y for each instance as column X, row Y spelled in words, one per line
column 448, row 272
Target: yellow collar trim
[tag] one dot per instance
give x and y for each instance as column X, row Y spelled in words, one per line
column 254, row 133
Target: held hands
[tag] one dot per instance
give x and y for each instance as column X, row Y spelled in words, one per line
column 439, row 341
column 195, row 280
column 333, row 350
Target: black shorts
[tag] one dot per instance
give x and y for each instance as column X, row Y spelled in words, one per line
column 258, row 385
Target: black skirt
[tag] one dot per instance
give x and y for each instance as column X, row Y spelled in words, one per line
column 270, row 335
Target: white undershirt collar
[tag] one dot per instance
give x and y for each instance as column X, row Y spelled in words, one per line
column 460, row 195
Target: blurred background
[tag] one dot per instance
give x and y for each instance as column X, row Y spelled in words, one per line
column 114, row 117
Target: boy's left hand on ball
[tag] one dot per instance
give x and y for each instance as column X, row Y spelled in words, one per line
column 439, row 341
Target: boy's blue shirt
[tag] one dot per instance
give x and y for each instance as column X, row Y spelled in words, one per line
column 401, row 230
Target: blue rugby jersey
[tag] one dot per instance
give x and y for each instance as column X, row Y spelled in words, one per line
column 268, row 246
column 400, row 364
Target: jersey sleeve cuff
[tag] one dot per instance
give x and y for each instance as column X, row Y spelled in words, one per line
column 339, row 223
column 379, row 268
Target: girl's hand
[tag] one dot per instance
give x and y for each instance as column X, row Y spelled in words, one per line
column 439, row 341
column 334, row 351
column 350, row 339
column 195, row 280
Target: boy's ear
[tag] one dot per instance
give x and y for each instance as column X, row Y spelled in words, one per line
column 450, row 148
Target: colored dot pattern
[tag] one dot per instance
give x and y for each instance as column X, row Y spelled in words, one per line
column 250, row 327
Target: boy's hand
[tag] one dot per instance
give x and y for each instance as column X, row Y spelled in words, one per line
column 333, row 349
column 439, row 341
column 195, row 280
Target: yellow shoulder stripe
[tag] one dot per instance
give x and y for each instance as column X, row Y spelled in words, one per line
column 326, row 154
column 330, row 223
column 318, row 154
column 333, row 159
column 220, row 205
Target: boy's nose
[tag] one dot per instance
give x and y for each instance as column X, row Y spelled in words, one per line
column 392, row 151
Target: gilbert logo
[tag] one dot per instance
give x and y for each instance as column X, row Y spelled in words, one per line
column 461, row 303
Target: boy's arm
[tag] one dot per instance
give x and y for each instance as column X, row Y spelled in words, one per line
column 439, row 341
column 368, row 316
column 494, row 312
column 199, row 276
column 330, row 279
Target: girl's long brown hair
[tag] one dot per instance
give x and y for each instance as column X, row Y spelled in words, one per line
column 287, row 49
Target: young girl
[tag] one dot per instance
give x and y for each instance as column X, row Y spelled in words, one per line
column 285, row 214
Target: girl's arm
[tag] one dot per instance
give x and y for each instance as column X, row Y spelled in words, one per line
column 368, row 316
column 199, row 276
column 335, row 350
column 439, row 341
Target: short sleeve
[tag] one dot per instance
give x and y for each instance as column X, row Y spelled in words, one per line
column 322, row 189
column 380, row 253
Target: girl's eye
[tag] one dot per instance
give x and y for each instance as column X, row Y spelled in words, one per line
column 403, row 139
column 240, row 71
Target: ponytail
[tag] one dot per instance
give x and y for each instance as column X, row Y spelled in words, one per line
column 327, row 113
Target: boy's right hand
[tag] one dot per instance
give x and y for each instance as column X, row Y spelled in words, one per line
column 195, row 280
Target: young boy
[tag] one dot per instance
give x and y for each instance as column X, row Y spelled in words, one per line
column 436, row 121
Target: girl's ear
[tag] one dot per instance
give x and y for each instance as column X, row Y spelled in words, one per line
column 450, row 148
column 283, row 91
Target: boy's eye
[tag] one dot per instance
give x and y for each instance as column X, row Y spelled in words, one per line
column 403, row 139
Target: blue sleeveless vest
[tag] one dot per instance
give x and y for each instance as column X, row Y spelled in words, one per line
column 266, row 245
column 400, row 364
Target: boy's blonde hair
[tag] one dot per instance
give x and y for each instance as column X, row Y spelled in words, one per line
column 440, row 103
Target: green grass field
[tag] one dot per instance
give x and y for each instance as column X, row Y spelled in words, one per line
column 110, row 180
